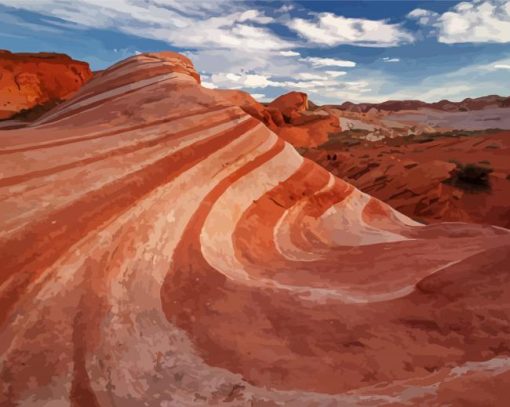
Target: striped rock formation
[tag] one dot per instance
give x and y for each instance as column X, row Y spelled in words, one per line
column 161, row 247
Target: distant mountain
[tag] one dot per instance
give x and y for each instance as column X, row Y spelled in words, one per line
column 444, row 105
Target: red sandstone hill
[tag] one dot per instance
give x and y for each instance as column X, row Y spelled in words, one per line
column 37, row 80
column 160, row 246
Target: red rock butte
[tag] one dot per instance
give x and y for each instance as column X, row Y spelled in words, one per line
column 37, row 80
column 162, row 247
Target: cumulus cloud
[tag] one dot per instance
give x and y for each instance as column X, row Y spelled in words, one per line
column 237, row 47
column 320, row 62
column 255, row 16
column 335, row 74
column 209, row 85
column 424, row 17
column 330, row 29
column 230, row 41
column 476, row 22
column 219, row 24
column 249, row 81
column 260, row 97
column 285, row 8
column 289, row 53
column 311, row 76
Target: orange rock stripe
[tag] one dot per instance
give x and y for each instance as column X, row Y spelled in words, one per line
column 111, row 153
column 116, row 131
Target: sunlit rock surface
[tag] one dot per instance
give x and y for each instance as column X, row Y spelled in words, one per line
column 37, row 80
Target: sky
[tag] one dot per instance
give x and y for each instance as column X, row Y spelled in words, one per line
column 336, row 51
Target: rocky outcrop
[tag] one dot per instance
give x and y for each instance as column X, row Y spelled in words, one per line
column 418, row 178
column 297, row 124
column 160, row 246
column 291, row 105
column 289, row 117
column 29, row 81
column 255, row 109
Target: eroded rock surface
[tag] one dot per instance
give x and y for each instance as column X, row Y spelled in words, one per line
column 160, row 246
column 29, row 81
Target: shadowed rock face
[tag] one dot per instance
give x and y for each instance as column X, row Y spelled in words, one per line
column 160, row 246
column 37, row 80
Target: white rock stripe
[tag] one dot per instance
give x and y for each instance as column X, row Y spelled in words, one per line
column 281, row 232
column 216, row 235
column 76, row 108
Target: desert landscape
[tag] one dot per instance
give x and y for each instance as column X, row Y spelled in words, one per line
column 167, row 244
column 254, row 203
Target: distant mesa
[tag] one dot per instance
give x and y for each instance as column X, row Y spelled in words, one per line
column 467, row 104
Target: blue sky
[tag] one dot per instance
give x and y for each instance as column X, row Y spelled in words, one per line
column 332, row 50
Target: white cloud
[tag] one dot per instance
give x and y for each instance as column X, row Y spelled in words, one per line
column 359, row 85
column 448, row 92
column 310, row 76
column 335, row 74
column 260, row 97
column 255, row 16
column 209, row 85
column 249, row 81
column 289, row 53
column 221, row 24
column 285, row 8
column 476, row 22
column 424, row 17
column 236, row 46
column 330, row 29
column 319, row 62
column 258, row 81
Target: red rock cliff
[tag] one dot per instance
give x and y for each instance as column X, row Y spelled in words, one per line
column 30, row 80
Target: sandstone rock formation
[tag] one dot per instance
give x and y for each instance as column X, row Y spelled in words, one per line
column 290, row 105
column 416, row 177
column 37, row 80
column 161, row 247
column 297, row 124
column 289, row 117
column 255, row 109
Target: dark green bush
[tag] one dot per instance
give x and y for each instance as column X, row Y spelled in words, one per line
column 471, row 177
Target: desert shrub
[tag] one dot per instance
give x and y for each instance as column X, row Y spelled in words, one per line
column 493, row 146
column 470, row 177
column 474, row 174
